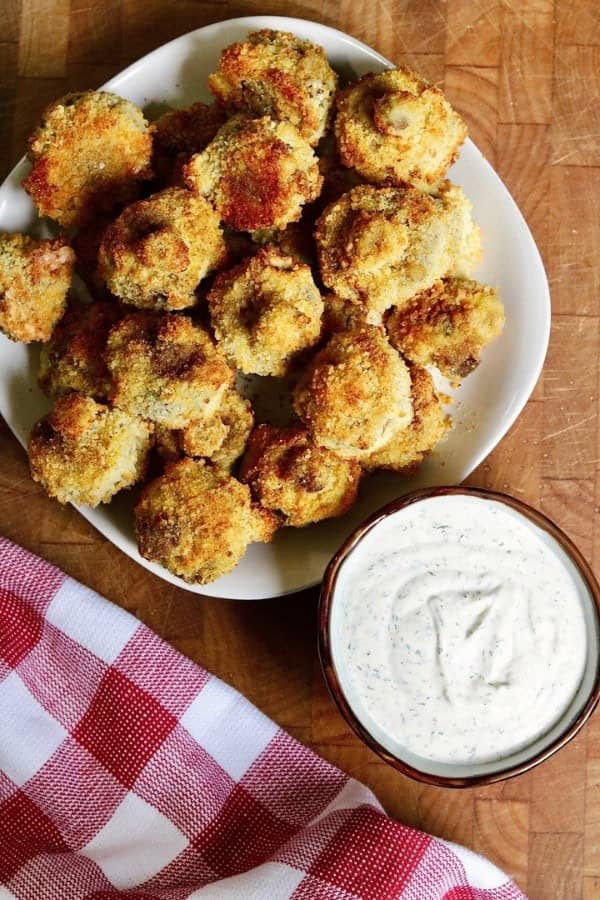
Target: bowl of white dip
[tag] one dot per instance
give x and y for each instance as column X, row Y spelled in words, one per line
column 460, row 635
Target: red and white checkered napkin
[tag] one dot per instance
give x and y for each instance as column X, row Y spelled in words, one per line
column 126, row 770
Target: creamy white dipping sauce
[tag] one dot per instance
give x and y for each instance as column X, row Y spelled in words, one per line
column 458, row 630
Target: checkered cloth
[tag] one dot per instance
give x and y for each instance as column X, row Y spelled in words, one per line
column 126, row 770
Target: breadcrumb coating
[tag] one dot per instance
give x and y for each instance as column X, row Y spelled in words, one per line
column 257, row 173
column 340, row 314
column 379, row 246
column 301, row 482
column 264, row 311
column 159, row 250
column 223, row 437
column 89, row 154
column 73, row 358
column 84, row 452
column 355, row 393
column 165, row 368
column 464, row 235
column 180, row 133
column 34, row 279
column 409, row 446
column 276, row 74
column 394, row 126
column 448, row 325
column 197, row 521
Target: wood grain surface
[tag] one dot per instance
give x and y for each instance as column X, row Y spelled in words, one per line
column 526, row 76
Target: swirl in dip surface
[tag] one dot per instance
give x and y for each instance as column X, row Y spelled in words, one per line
column 458, row 630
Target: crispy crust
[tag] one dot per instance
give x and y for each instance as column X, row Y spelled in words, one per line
column 223, row 437
column 180, row 133
column 89, row 154
column 165, row 368
column 84, row 452
column 355, row 393
column 197, row 521
column 159, row 249
column 448, row 325
column 265, row 311
column 258, row 173
column 301, row 482
column 73, row 358
column 395, row 127
column 274, row 73
column 34, row 279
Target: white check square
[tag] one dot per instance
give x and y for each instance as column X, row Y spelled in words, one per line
column 135, row 844
column 220, row 721
column 90, row 620
column 273, row 880
column 29, row 735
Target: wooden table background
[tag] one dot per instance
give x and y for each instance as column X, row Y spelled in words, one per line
column 526, row 75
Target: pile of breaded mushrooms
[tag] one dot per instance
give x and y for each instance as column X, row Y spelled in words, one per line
column 294, row 230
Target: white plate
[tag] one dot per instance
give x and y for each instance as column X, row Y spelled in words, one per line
column 486, row 405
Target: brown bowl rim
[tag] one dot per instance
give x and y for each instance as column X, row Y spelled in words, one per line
column 326, row 658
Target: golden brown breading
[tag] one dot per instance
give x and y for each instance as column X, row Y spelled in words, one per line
column 340, row 314
column 84, row 452
column 165, row 368
column 223, row 437
column 301, row 482
column 296, row 241
column 394, row 126
column 355, row 393
column 464, row 236
column 276, row 74
column 73, row 359
column 379, row 246
column 159, row 249
column 409, row 446
column 89, row 154
column 197, row 521
column 257, row 173
column 166, row 444
column 34, row 279
column 180, row 133
column 264, row 311
column 448, row 325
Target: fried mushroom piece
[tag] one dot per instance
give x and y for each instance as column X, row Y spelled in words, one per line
column 257, row 173
column 73, row 358
column 159, row 249
column 394, row 126
column 178, row 134
column 89, row 154
column 276, row 74
column 34, row 279
column 409, row 446
column 197, row 521
column 223, row 437
column 379, row 246
column 84, row 452
column 448, row 325
column 301, row 482
column 355, row 393
column 165, row 369
column 264, row 311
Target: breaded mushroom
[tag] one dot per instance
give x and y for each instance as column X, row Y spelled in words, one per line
column 379, row 246
column 264, row 311
column 73, row 359
column 394, row 126
column 221, row 438
column 448, row 325
column 180, row 133
column 197, row 521
column 158, row 250
column 355, row 393
column 89, row 154
column 276, row 74
column 409, row 446
column 301, row 482
column 464, row 235
column 165, row 369
column 34, row 279
column 257, row 173
column 84, row 452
